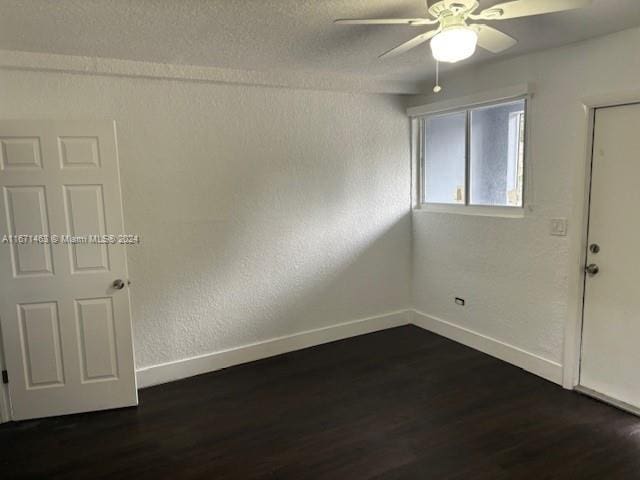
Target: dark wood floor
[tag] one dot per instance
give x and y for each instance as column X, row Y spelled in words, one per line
column 398, row 404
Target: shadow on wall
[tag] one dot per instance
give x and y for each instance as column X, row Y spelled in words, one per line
column 230, row 291
column 280, row 233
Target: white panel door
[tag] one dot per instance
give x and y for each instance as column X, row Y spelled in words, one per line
column 66, row 328
column 611, row 330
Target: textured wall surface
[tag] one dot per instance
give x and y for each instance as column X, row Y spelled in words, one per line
column 520, row 283
column 46, row 62
column 263, row 212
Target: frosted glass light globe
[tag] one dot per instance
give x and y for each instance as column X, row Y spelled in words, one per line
column 454, row 44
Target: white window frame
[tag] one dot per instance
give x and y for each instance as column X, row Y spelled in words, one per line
column 515, row 119
column 496, row 97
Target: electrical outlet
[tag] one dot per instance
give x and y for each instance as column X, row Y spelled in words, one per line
column 460, row 301
column 559, row 227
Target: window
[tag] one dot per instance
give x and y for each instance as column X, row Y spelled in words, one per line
column 445, row 158
column 474, row 156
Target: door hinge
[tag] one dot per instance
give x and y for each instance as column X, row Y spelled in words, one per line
column 5, row 376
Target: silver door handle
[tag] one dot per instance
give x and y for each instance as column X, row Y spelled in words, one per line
column 592, row 269
column 118, row 284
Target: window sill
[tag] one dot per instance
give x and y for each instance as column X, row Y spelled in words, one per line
column 474, row 210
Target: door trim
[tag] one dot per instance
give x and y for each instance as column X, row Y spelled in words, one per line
column 573, row 328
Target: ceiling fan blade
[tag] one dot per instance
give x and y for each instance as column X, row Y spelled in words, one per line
column 492, row 39
column 386, row 21
column 406, row 46
column 526, row 8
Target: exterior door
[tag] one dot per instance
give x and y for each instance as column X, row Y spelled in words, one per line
column 611, row 328
column 66, row 328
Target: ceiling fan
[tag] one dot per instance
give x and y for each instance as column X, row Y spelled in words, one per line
column 455, row 39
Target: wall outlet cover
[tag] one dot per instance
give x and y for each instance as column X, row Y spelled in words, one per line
column 559, row 227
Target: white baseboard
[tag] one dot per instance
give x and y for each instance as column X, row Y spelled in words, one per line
column 528, row 361
column 170, row 371
column 179, row 369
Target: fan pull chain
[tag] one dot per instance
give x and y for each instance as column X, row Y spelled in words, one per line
column 437, row 88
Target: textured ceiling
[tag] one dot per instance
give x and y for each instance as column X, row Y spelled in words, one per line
column 279, row 35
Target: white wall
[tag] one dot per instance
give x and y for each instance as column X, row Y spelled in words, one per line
column 266, row 212
column 263, row 211
column 522, row 285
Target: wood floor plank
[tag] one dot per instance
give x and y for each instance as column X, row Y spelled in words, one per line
column 397, row 404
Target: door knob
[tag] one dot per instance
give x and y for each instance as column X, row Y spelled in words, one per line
column 592, row 269
column 118, row 284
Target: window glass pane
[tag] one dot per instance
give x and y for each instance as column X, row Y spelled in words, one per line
column 497, row 154
column 444, row 158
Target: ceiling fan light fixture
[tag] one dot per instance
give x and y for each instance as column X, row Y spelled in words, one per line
column 454, row 44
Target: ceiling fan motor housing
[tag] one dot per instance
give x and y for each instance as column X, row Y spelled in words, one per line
column 446, row 8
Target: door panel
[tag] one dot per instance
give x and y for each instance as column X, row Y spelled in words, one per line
column 26, row 211
column 79, row 152
column 20, row 153
column 40, row 335
column 66, row 331
column 84, row 209
column 96, row 326
column 611, row 328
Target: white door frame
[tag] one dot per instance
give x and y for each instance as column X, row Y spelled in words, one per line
column 578, row 246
